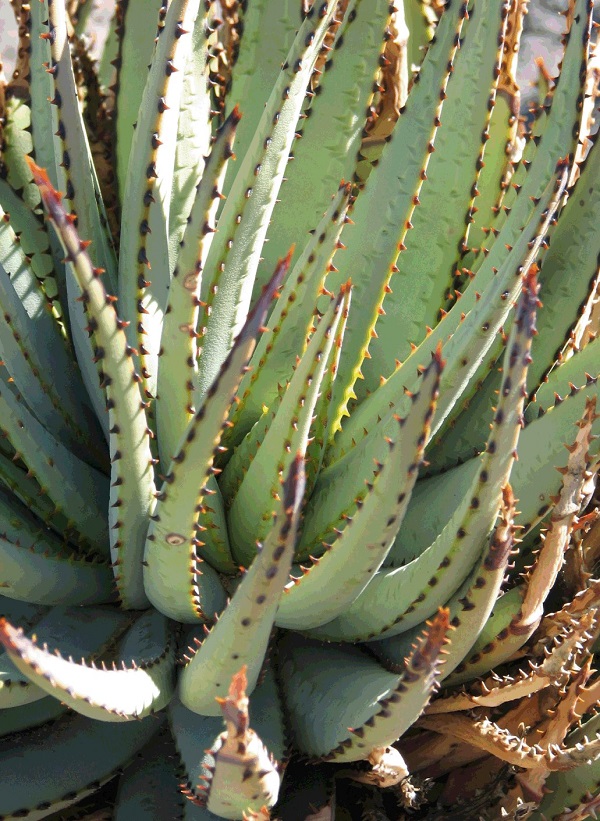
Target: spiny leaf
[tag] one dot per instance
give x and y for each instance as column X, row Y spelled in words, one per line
column 251, row 510
column 399, row 599
column 100, row 750
column 379, row 705
column 32, row 341
column 76, row 177
column 469, row 607
column 38, row 566
column 241, row 635
column 20, row 719
column 235, row 251
column 116, row 695
column 178, row 363
column 198, row 737
column 144, row 248
column 79, row 632
column 432, row 223
column 173, row 579
column 289, row 322
column 244, row 777
column 534, row 484
column 338, row 577
column 403, row 705
column 136, row 23
column 132, row 480
column 333, row 128
column 77, row 490
column 194, row 129
column 374, row 247
column 471, row 331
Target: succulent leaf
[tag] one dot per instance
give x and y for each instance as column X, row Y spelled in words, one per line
column 173, row 579
column 199, row 741
column 150, row 787
column 289, row 322
column 551, row 345
column 338, row 577
column 76, row 177
column 235, row 251
column 332, row 131
column 471, row 332
column 453, row 204
column 532, row 181
column 31, row 336
column 417, row 683
column 376, row 250
column 241, row 635
column 79, row 633
column 241, row 761
column 541, row 444
column 38, row 566
column 400, row 598
column 132, row 487
column 20, row 719
column 194, row 127
column 145, row 223
column 469, row 608
column 378, row 705
column 286, row 435
column 73, row 486
column 99, row 749
column 443, row 190
column 132, row 692
column 269, row 30
column 178, row 363
column 136, row 23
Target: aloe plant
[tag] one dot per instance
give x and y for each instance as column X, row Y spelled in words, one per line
column 283, row 416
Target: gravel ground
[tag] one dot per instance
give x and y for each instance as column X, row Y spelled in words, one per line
column 542, row 35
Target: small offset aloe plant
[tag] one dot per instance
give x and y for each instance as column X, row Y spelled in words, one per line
column 278, row 483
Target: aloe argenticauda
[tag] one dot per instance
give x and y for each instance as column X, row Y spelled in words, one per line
column 295, row 326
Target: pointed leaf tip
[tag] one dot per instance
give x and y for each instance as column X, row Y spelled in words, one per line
column 270, row 290
column 529, row 302
column 49, row 194
column 437, row 356
column 434, row 639
column 293, row 486
column 5, row 632
column 239, row 682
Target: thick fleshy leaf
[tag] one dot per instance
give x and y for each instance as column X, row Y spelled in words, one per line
column 399, row 599
column 132, row 478
column 173, row 580
column 241, row 635
column 178, row 363
column 331, row 689
column 235, row 252
column 133, row 692
column 338, row 577
column 144, row 246
column 198, row 738
column 331, row 134
column 99, row 750
column 38, row 566
column 78, row 632
column 286, row 429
